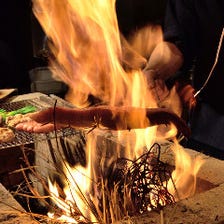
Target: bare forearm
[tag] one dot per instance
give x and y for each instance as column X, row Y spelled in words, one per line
column 115, row 118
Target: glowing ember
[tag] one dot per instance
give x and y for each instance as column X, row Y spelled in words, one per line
column 87, row 56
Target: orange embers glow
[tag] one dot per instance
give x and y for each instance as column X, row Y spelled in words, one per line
column 87, row 55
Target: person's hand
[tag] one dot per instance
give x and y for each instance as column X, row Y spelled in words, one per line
column 35, row 125
column 165, row 60
column 186, row 93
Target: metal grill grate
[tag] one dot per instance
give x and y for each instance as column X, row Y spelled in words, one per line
column 23, row 138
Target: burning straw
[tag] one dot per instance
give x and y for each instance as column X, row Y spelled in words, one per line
column 129, row 187
column 144, row 179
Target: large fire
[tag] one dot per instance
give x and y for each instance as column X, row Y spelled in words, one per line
column 87, row 55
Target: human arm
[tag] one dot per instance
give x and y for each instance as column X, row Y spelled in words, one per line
column 165, row 60
column 113, row 118
column 173, row 57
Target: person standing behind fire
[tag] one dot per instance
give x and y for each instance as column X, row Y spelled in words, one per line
column 192, row 33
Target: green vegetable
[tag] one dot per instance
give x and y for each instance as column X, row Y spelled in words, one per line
column 3, row 114
column 23, row 110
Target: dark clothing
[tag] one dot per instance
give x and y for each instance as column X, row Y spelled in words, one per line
column 195, row 26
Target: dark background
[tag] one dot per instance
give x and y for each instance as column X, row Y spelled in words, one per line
column 18, row 45
column 15, row 44
column 134, row 14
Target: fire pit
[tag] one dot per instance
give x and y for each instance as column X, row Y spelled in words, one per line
column 116, row 172
column 108, row 140
column 205, row 204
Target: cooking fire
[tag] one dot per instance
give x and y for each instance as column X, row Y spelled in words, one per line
column 124, row 188
column 88, row 183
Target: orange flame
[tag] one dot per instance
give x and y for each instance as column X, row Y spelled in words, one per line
column 85, row 40
column 76, row 188
column 87, row 53
column 184, row 177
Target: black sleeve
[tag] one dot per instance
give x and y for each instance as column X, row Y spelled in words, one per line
column 180, row 28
